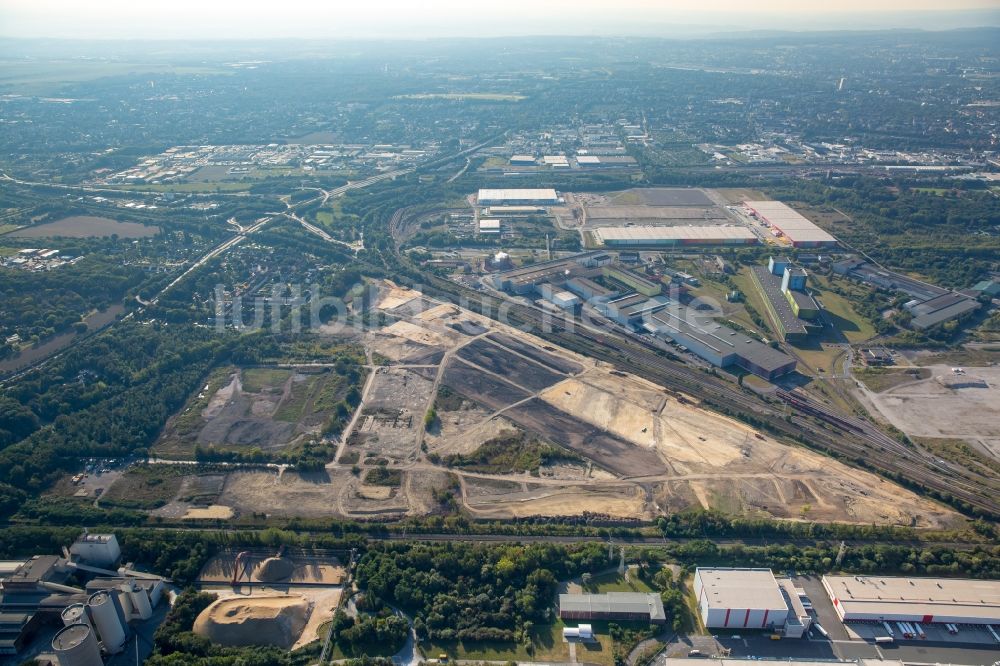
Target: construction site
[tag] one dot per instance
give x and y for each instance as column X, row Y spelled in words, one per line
column 454, row 403
column 638, row 450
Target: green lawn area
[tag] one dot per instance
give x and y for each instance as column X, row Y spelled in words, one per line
column 40, row 76
column 324, row 217
column 547, row 646
column 256, row 380
column 292, row 409
column 746, row 285
column 190, row 187
column 145, row 487
column 710, row 289
column 613, row 582
column 883, row 379
column 839, row 310
column 483, row 97
column 495, row 163
column 815, row 355
column 8, row 251
column 4, row 228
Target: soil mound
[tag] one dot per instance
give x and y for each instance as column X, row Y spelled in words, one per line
column 275, row 569
column 243, row 621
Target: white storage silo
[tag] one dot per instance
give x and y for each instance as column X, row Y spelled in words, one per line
column 141, row 607
column 125, row 600
column 156, row 593
column 76, row 645
column 104, row 611
column 75, row 614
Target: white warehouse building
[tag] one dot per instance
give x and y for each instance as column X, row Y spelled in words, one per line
column 923, row 600
column 488, row 197
column 749, row 599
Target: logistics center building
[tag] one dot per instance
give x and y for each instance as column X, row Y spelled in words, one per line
column 923, row 600
column 749, row 599
column 649, row 236
column 517, row 197
column 800, row 231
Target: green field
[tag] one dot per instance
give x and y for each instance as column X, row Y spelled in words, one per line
column 855, row 327
column 479, row 97
column 190, row 187
column 44, row 76
column 613, row 582
column 883, row 379
column 145, row 487
column 255, row 380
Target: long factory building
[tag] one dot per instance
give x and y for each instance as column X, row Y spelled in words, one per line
column 517, row 197
column 796, row 228
column 640, row 305
column 718, row 344
column 650, row 236
column 922, row 600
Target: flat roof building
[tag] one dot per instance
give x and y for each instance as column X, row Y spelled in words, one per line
column 589, row 290
column 719, row 345
column 639, row 236
column 926, row 600
column 640, row 283
column 800, row 231
column 940, row 309
column 489, row 226
column 739, row 598
column 788, row 325
column 494, row 197
column 612, row 606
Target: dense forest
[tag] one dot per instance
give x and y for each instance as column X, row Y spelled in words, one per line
column 470, row 592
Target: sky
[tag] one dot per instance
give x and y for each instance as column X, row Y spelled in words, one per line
column 310, row 19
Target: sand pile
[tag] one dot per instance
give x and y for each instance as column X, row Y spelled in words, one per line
column 241, row 621
column 274, row 569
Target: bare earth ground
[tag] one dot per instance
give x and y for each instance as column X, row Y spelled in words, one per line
column 646, row 453
column 317, row 605
column 945, row 404
column 256, row 620
column 308, row 568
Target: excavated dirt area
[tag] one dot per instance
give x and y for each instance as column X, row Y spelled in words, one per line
column 245, row 408
column 270, row 620
column 299, row 566
column 554, row 500
column 645, row 452
column 947, row 404
column 393, row 414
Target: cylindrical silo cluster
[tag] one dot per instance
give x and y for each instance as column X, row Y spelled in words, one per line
column 109, row 619
column 76, row 645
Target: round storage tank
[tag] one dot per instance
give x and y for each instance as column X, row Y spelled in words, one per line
column 141, row 607
column 106, row 620
column 75, row 614
column 76, row 645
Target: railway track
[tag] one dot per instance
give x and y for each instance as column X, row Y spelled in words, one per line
column 799, row 416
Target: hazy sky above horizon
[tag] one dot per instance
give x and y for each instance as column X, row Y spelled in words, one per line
column 252, row 19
